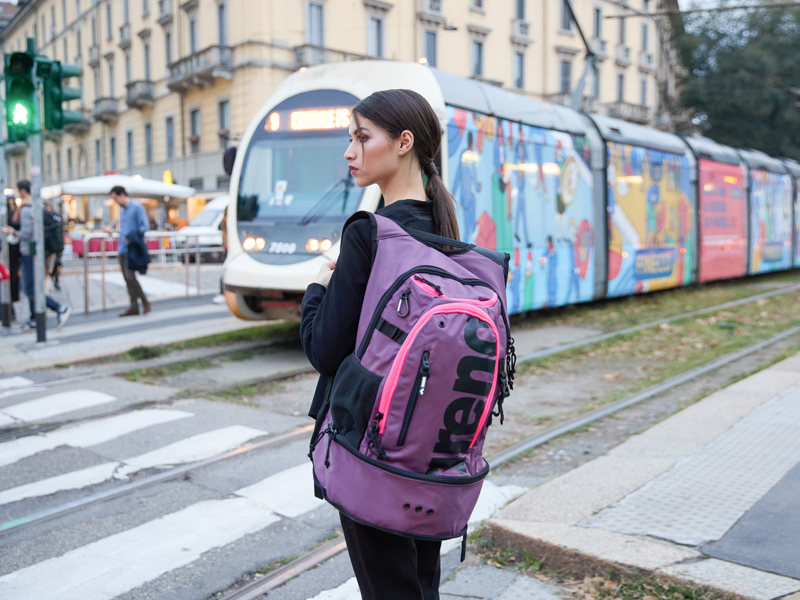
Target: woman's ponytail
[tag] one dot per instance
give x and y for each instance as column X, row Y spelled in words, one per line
column 445, row 222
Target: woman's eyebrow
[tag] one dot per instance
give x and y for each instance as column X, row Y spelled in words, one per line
column 361, row 130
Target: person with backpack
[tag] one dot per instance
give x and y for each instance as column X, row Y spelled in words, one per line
column 26, row 241
column 404, row 312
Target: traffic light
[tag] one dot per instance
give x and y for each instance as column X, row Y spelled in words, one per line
column 20, row 96
column 56, row 93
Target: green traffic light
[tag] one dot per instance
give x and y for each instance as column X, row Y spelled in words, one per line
column 20, row 114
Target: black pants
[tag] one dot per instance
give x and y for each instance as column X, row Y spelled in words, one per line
column 392, row 567
column 135, row 290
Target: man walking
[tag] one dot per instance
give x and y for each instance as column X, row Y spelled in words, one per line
column 25, row 238
column 132, row 220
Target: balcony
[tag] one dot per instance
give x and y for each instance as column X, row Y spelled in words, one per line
column 17, row 148
column 635, row 113
column 308, row 55
column 599, row 48
column 139, row 94
column 52, row 135
column 646, row 62
column 520, row 32
column 589, row 103
column 125, row 36
column 164, row 12
column 623, row 56
column 431, row 10
column 105, row 110
column 83, row 126
column 94, row 55
column 201, row 68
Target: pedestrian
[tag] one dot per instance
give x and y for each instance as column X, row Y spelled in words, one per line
column 132, row 220
column 53, row 243
column 26, row 241
column 14, row 257
column 395, row 136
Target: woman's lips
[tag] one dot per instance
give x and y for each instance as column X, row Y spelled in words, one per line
column 353, row 170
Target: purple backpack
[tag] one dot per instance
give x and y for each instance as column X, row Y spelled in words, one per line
column 399, row 438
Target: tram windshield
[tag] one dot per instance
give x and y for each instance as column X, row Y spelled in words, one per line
column 294, row 171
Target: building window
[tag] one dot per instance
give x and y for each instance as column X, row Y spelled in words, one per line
column 147, row 72
column 77, row 8
column 35, row 35
column 477, row 59
column 566, row 17
column 620, row 87
column 98, row 167
column 316, row 24
column 520, row 10
column 69, row 164
column 193, row 33
column 596, row 81
column 519, row 70
column 111, row 82
column 97, row 92
column 78, row 43
column 430, row 47
column 148, row 143
column 44, row 31
column 109, row 24
column 52, row 21
column 129, row 146
column 224, row 110
column 64, row 12
column 476, row 5
column 194, row 124
column 643, row 92
column 66, row 48
column 170, row 137
column 598, row 22
column 566, row 76
column 94, row 31
column 125, row 11
column 196, row 183
column 646, row 6
column 128, row 68
column 50, row 167
column 168, row 46
column 112, row 151
column 645, row 31
column 58, row 164
column 222, row 23
column 622, row 32
column 145, row 7
column 375, row 37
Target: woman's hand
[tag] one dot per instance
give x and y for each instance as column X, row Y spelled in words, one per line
column 325, row 272
column 9, row 230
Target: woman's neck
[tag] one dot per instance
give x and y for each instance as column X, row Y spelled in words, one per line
column 404, row 185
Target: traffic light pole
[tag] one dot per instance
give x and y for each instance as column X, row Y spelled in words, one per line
column 35, row 144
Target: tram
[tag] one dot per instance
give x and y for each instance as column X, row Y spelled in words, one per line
column 588, row 206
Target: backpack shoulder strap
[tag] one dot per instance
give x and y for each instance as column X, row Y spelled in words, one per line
column 373, row 235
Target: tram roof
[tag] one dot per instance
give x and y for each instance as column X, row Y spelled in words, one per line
column 706, row 148
column 755, row 159
column 494, row 101
column 792, row 166
column 623, row 132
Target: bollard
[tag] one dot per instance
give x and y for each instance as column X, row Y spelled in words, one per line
column 85, row 275
column 186, row 263
column 197, row 260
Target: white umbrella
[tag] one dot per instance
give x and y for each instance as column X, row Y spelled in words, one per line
column 101, row 186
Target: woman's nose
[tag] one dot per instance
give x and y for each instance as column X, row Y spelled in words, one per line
column 349, row 154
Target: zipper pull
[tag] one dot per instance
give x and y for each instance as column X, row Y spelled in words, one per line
column 403, row 300
column 425, row 371
column 331, row 431
column 428, row 283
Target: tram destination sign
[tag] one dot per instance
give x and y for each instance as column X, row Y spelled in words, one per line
column 308, row 119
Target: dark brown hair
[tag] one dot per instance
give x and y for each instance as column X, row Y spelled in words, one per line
column 119, row 190
column 396, row 111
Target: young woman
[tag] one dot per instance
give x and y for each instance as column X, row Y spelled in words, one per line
column 395, row 136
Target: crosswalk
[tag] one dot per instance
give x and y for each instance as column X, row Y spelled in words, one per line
column 105, row 567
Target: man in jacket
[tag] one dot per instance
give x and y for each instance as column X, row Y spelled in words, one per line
column 132, row 219
column 25, row 239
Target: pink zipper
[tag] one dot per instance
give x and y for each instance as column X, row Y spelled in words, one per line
column 393, row 377
column 432, row 292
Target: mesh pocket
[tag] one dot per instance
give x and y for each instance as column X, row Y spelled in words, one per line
column 353, row 395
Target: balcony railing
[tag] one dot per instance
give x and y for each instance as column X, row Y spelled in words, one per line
column 646, row 60
column 83, row 126
column 164, row 12
column 17, row 148
column 125, row 36
column 520, row 31
column 623, row 56
column 588, row 104
column 599, row 48
column 201, row 68
column 139, row 94
column 309, row 55
column 629, row 112
column 105, row 110
column 94, row 55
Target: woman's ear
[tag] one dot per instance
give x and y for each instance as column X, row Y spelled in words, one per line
column 406, row 142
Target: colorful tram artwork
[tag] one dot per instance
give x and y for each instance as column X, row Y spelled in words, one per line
column 587, row 206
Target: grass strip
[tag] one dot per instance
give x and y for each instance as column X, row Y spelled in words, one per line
column 153, row 375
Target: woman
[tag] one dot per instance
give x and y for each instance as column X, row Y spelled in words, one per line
column 395, row 136
column 14, row 258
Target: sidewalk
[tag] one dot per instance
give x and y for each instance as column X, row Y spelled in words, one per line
column 709, row 496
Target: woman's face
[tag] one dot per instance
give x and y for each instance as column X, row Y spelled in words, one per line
column 373, row 157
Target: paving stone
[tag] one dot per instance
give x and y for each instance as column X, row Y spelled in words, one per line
column 527, row 588
column 735, row 579
column 607, row 546
column 478, row 582
column 790, row 364
column 769, row 381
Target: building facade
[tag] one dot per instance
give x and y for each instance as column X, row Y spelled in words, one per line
column 167, row 84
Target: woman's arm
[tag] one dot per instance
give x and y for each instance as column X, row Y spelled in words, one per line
column 329, row 323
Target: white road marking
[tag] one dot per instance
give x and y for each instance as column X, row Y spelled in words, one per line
column 13, row 382
column 6, row 420
column 121, row 562
column 197, row 447
column 67, row 481
column 347, row 591
column 87, row 434
column 289, row 493
column 56, row 404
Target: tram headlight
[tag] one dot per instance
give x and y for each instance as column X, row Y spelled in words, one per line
column 249, row 243
column 325, row 245
column 312, row 245
column 260, row 243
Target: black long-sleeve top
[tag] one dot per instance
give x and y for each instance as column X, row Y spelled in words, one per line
column 329, row 322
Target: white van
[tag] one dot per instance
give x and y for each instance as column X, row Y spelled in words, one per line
column 206, row 225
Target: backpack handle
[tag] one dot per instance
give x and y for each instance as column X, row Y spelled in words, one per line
column 440, row 239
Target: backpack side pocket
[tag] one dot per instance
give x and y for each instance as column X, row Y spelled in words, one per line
column 352, row 399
